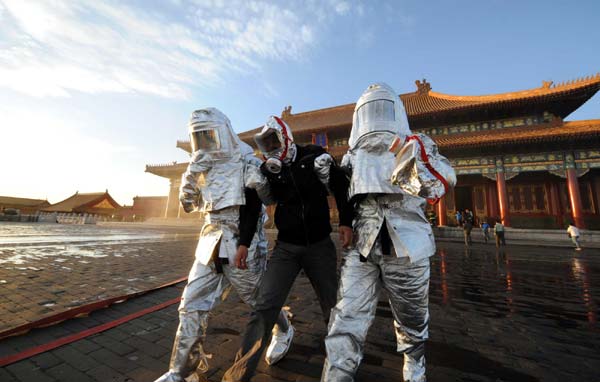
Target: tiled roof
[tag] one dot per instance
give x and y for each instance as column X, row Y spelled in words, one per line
column 25, row 202
column 78, row 200
column 527, row 134
column 424, row 102
column 167, row 170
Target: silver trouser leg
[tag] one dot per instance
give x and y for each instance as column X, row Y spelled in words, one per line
column 351, row 317
column 204, row 290
column 246, row 282
column 408, row 288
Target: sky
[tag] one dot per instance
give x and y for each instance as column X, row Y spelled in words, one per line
column 92, row 91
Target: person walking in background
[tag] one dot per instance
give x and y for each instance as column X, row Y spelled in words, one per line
column 485, row 228
column 499, row 233
column 573, row 233
column 432, row 217
column 467, row 228
column 458, row 218
column 468, row 217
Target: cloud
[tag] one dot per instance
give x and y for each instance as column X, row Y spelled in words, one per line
column 341, row 7
column 56, row 48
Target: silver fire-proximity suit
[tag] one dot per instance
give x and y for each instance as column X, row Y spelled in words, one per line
column 393, row 175
column 220, row 169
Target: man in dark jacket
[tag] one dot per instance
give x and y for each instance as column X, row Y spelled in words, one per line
column 300, row 178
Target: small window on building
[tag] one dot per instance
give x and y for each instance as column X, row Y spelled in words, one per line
column 479, row 198
column 515, row 199
column 585, row 191
column 587, row 204
column 528, row 198
column 540, row 198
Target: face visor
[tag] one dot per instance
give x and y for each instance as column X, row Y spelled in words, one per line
column 205, row 140
column 376, row 111
column 269, row 142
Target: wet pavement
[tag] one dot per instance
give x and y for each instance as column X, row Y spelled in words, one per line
column 522, row 313
column 48, row 268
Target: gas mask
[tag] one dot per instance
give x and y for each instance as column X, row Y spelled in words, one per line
column 276, row 143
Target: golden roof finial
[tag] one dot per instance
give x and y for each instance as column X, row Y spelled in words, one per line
column 423, row 87
column 287, row 111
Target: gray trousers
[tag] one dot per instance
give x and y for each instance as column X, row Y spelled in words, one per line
column 319, row 262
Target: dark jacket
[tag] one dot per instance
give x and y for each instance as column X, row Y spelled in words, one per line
column 249, row 215
column 302, row 211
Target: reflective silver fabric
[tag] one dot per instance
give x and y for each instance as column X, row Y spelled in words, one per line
column 407, row 225
column 379, row 118
column 401, row 206
column 219, row 178
column 407, row 284
column 206, row 288
column 322, row 168
column 257, row 181
column 216, row 176
column 372, row 116
column 213, row 119
column 412, row 175
column 371, row 164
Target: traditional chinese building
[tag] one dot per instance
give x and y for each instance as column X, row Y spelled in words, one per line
column 515, row 156
column 22, row 205
column 97, row 203
column 143, row 208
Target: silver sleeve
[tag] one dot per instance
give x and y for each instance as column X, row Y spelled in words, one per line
column 347, row 162
column 254, row 179
column 412, row 174
column 189, row 194
column 322, row 167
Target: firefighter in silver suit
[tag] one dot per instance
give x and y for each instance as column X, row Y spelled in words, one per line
column 393, row 175
column 223, row 175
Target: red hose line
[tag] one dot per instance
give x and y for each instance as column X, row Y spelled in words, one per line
column 86, row 333
column 70, row 313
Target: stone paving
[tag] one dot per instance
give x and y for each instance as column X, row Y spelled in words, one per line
column 518, row 314
column 49, row 268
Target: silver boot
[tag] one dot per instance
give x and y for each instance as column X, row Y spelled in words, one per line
column 188, row 355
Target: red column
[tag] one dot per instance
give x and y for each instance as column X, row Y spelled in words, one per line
column 492, row 203
column 441, row 212
column 575, row 197
column 503, row 198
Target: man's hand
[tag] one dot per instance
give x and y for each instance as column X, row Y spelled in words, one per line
column 345, row 236
column 241, row 256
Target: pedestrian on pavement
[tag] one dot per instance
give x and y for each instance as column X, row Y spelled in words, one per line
column 432, row 217
column 233, row 224
column 392, row 174
column 499, row 233
column 300, row 178
column 485, row 228
column 467, row 228
column 458, row 216
column 468, row 217
column 573, row 233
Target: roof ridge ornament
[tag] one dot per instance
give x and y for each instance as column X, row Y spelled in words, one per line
column 423, row 87
column 547, row 84
column 287, row 112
